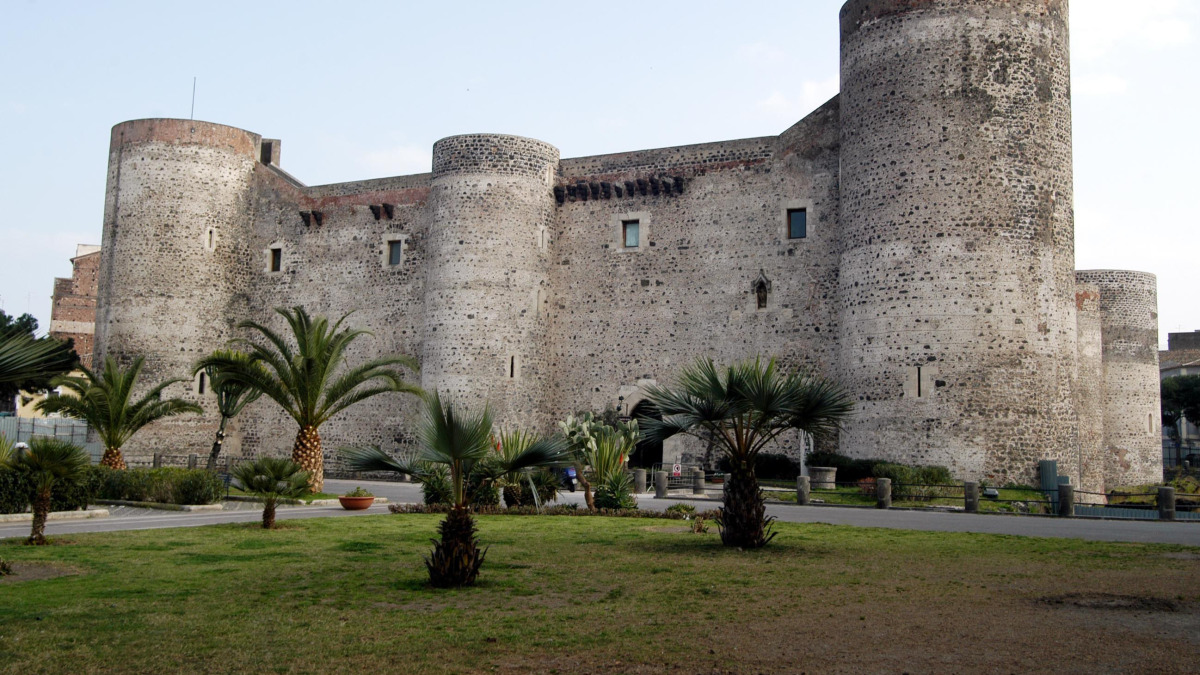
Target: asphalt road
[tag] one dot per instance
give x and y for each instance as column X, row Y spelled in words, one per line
column 1186, row 533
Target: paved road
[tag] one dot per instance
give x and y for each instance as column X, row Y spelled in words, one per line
column 1075, row 528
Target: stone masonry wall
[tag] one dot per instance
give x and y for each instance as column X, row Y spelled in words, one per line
column 1132, row 422
column 73, row 306
column 956, row 292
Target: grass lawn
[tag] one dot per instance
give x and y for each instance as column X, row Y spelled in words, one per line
column 587, row 594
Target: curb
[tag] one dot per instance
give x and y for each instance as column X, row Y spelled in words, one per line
column 55, row 515
column 298, row 502
column 162, row 507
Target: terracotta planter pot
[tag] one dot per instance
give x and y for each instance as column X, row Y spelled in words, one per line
column 356, row 503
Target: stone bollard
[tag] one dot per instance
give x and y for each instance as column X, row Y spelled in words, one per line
column 971, row 496
column 639, row 480
column 156, row 462
column 193, row 460
column 1066, row 500
column 1166, row 503
column 660, row 484
column 698, row 482
column 883, row 493
column 802, row 489
column 823, row 477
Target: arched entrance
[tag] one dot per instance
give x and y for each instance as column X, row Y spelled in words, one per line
column 648, row 453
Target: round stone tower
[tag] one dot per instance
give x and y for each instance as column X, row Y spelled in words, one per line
column 956, row 291
column 176, row 213
column 1132, row 447
column 484, row 340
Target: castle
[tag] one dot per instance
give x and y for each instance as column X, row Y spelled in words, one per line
column 911, row 238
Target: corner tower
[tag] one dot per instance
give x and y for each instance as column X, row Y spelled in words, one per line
column 956, row 292
column 176, row 213
column 490, row 203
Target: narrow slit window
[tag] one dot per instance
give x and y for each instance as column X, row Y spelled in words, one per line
column 210, row 238
column 276, row 259
column 629, row 229
column 395, row 252
column 512, row 366
column 919, row 392
column 797, row 223
column 200, row 384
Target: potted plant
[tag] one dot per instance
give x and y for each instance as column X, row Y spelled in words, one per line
column 357, row 500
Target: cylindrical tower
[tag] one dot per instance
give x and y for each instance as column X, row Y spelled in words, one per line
column 1089, row 392
column 484, row 336
column 176, row 213
column 956, row 288
column 1131, row 401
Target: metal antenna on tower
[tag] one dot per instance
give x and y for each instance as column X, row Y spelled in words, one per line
column 192, row 116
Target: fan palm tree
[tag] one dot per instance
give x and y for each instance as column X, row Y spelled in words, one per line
column 232, row 395
column 302, row 375
column 103, row 400
column 272, row 479
column 461, row 442
column 744, row 408
column 47, row 461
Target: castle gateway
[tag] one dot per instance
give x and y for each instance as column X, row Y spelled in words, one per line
column 911, row 238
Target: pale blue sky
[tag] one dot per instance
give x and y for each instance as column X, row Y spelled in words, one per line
column 362, row 89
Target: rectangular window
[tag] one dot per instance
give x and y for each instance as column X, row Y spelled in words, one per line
column 630, row 230
column 395, row 252
column 200, row 389
column 276, row 259
column 797, row 223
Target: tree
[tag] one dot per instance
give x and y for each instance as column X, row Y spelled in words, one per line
column 304, row 379
column 461, row 442
column 232, row 395
column 47, row 461
column 745, row 407
column 272, row 479
column 103, row 401
column 1180, row 405
column 27, row 362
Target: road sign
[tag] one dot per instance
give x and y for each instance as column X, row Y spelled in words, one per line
column 676, row 470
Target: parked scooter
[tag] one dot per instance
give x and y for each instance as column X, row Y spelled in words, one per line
column 569, row 478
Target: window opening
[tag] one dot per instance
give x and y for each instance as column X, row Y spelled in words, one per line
column 919, row 392
column 210, row 238
column 395, row 252
column 630, row 230
column 512, row 367
column 276, row 259
column 797, row 223
column 760, row 291
column 200, row 388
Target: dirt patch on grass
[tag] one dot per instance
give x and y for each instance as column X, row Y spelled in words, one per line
column 35, row 571
column 1112, row 601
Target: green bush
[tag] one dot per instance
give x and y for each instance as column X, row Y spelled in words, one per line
column 616, row 492
column 849, row 470
column 916, row 482
column 435, row 488
column 16, row 491
column 164, row 486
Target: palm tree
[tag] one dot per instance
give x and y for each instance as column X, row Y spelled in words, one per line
column 744, row 408
column 24, row 358
column 103, row 401
column 272, row 478
column 232, row 395
column 304, row 379
column 47, row 461
column 461, row 442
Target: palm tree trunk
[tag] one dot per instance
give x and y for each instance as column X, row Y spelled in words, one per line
column 512, row 495
column 268, row 521
column 743, row 519
column 216, row 448
column 113, row 459
column 456, row 559
column 587, row 492
column 307, row 453
column 41, row 509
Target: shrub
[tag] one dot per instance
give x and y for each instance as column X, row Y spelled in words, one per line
column 16, row 490
column 916, row 482
column 359, row 492
column 164, row 486
column 5, row 568
column 684, row 509
column 616, row 492
column 435, row 488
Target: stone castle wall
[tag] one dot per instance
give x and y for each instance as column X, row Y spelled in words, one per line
column 73, row 306
column 935, row 280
